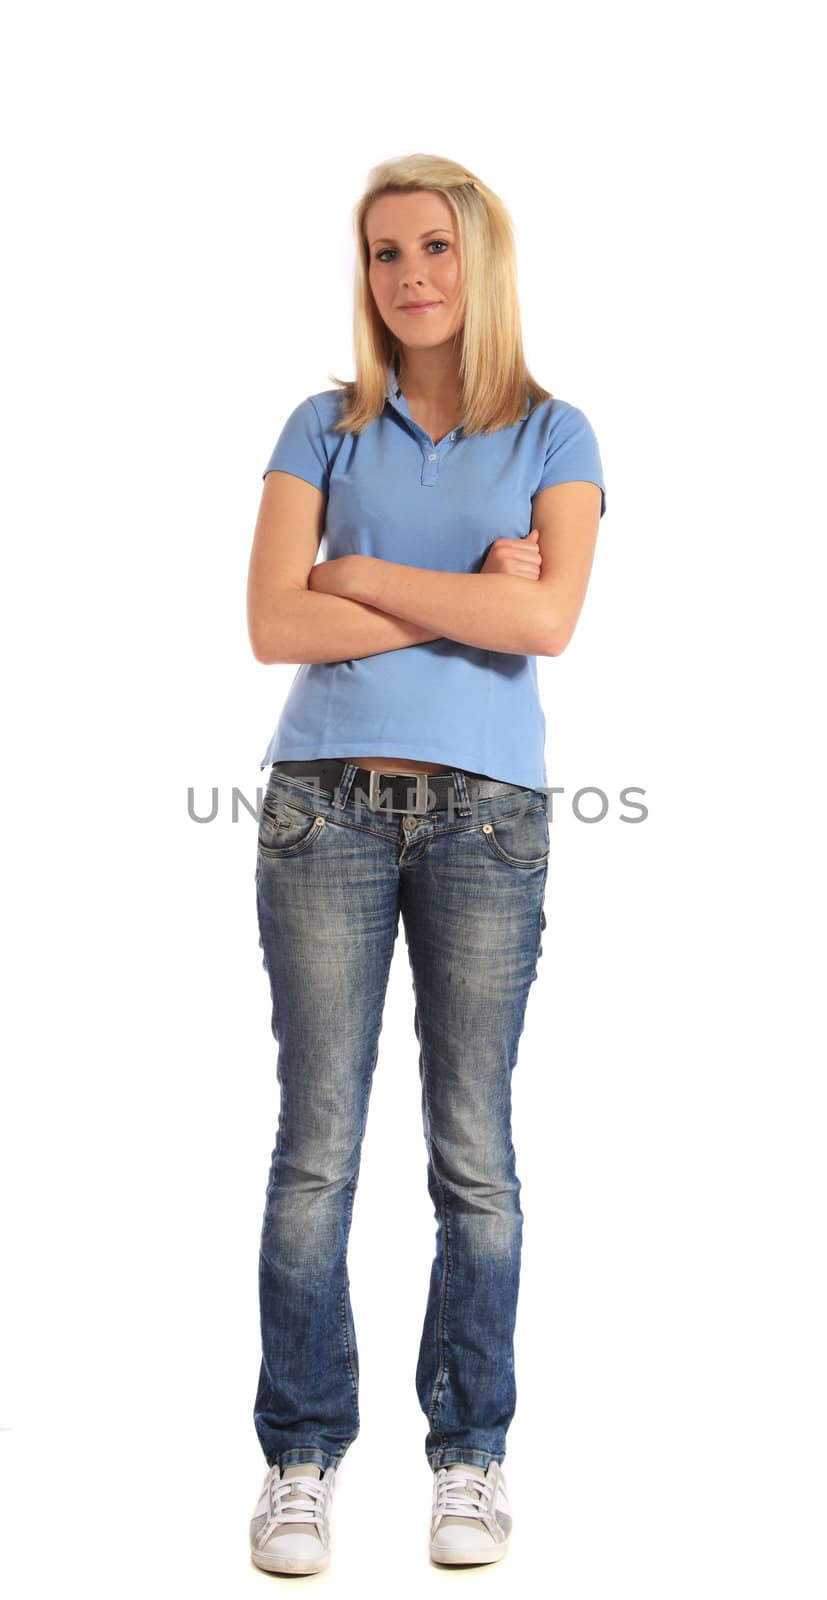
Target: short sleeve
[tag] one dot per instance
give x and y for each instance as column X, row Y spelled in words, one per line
column 572, row 451
column 300, row 448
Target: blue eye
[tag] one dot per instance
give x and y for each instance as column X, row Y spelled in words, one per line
column 389, row 252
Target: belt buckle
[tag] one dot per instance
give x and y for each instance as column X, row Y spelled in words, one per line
column 421, row 793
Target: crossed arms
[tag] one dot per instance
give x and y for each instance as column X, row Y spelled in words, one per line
column 360, row 605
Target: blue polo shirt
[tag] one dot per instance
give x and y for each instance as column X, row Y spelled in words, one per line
column 393, row 493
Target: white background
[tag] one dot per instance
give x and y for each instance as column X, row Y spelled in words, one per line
column 178, row 189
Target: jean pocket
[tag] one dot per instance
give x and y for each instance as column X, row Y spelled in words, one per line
column 520, row 839
column 284, row 830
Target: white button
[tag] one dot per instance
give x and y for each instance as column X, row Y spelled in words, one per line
column 453, row 435
column 432, row 458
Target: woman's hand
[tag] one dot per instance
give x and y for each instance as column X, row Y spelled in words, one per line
column 515, row 558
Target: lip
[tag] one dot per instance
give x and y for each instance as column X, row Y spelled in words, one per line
column 417, row 310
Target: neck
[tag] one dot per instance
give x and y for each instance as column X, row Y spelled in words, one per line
column 430, row 376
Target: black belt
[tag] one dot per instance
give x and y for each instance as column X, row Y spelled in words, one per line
column 396, row 791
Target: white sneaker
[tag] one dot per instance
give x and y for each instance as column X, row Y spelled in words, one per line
column 290, row 1527
column 471, row 1515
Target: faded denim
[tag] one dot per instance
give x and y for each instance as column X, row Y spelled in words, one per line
column 332, row 876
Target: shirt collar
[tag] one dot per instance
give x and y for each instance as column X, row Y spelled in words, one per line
column 392, row 389
column 394, row 394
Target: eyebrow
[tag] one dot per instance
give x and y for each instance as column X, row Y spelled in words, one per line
column 422, row 236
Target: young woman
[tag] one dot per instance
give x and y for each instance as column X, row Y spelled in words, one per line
column 460, row 504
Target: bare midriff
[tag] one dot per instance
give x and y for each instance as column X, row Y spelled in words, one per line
column 395, row 764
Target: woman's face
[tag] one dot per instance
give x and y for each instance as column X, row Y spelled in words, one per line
column 414, row 255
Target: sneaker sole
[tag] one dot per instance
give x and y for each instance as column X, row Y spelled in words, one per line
column 464, row 1558
column 271, row 1561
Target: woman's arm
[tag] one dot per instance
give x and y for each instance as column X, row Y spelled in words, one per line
column 285, row 621
column 494, row 611
column 328, row 627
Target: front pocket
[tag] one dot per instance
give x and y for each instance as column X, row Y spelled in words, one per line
column 521, row 840
column 284, row 830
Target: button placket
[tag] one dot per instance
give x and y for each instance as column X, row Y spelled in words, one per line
column 431, row 453
column 430, row 467
column 431, row 458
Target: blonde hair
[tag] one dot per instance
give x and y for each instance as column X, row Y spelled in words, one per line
column 492, row 371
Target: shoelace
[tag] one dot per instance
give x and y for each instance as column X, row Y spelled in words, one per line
column 286, row 1506
column 453, row 1498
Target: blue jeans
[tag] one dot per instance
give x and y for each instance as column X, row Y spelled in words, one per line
column 332, row 875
